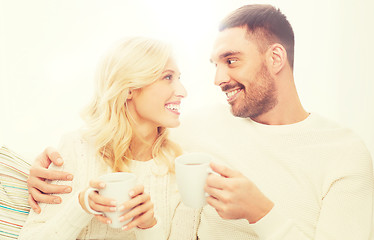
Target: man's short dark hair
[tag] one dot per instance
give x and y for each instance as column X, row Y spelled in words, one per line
column 265, row 24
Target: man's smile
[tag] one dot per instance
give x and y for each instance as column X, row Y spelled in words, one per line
column 232, row 94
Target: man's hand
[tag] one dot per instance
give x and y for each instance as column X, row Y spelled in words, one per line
column 234, row 196
column 39, row 172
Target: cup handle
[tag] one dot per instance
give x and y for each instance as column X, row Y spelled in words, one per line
column 210, row 171
column 88, row 191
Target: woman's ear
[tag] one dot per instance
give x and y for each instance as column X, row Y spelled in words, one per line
column 276, row 58
column 129, row 96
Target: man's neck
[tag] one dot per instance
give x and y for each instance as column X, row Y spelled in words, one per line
column 278, row 117
column 288, row 109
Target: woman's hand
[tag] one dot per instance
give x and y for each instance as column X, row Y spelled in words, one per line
column 98, row 202
column 139, row 208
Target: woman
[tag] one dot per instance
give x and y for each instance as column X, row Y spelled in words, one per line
column 137, row 98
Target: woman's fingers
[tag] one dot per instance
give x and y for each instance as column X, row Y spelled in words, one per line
column 140, row 210
column 137, row 211
column 97, row 184
column 100, row 203
column 103, row 219
column 146, row 220
column 137, row 190
column 138, row 197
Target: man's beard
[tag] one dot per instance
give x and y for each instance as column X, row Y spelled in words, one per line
column 259, row 96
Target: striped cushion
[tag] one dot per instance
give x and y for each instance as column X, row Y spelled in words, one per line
column 14, row 207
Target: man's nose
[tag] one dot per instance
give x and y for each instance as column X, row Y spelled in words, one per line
column 221, row 76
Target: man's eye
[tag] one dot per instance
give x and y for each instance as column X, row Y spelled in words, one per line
column 231, row 61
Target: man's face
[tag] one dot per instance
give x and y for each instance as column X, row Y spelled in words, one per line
column 242, row 74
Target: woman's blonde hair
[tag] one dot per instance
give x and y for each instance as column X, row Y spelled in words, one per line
column 132, row 64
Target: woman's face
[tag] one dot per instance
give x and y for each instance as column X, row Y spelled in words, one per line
column 158, row 104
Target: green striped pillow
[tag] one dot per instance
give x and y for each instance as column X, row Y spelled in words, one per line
column 14, row 207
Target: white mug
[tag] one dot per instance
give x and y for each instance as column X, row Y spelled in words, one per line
column 117, row 187
column 191, row 170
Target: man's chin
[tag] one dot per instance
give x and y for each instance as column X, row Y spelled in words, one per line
column 237, row 113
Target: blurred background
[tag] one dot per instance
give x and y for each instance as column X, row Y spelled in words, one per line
column 49, row 50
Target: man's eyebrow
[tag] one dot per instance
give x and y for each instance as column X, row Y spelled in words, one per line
column 226, row 54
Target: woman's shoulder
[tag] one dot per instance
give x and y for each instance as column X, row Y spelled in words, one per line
column 76, row 139
column 75, row 145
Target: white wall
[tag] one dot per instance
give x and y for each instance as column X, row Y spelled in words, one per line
column 49, row 50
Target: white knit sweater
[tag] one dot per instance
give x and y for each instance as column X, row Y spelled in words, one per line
column 69, row 221
column 319, row 176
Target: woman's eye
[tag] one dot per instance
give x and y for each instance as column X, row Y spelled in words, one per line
column 168, row 77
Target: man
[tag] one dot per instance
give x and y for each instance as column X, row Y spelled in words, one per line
column 287, row 174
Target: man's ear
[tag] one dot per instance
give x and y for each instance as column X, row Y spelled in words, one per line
column 276, row 58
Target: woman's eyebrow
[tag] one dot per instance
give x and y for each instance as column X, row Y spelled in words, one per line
column 169, row 70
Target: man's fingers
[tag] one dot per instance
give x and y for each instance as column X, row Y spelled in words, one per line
column 223, row 170
column 50, row 174
column 215, row 181
column 216, row 204
column 33, row 204
column 46, row 157
column 44, row 198
column 54, row 156
column 214, row 192
column 47, row 187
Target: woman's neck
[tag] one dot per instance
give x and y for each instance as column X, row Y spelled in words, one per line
column 142, row 143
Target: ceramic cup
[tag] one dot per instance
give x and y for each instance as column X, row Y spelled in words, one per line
column 117, row 187
column 191, row 170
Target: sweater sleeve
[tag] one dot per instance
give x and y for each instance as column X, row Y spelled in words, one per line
column 65, row 220
column 185, row 223
column 154, row 233
column 347, row 204
column 180, row 222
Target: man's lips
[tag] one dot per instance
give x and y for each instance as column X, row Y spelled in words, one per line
column 232, row 94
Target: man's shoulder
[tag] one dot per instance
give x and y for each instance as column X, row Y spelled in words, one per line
column 346, row 144
column 323, row 122
column 334, row 129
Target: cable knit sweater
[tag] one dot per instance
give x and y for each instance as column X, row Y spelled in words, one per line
column 69, row 221
column 318, row 174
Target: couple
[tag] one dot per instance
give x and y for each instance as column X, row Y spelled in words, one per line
column 301, row 176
